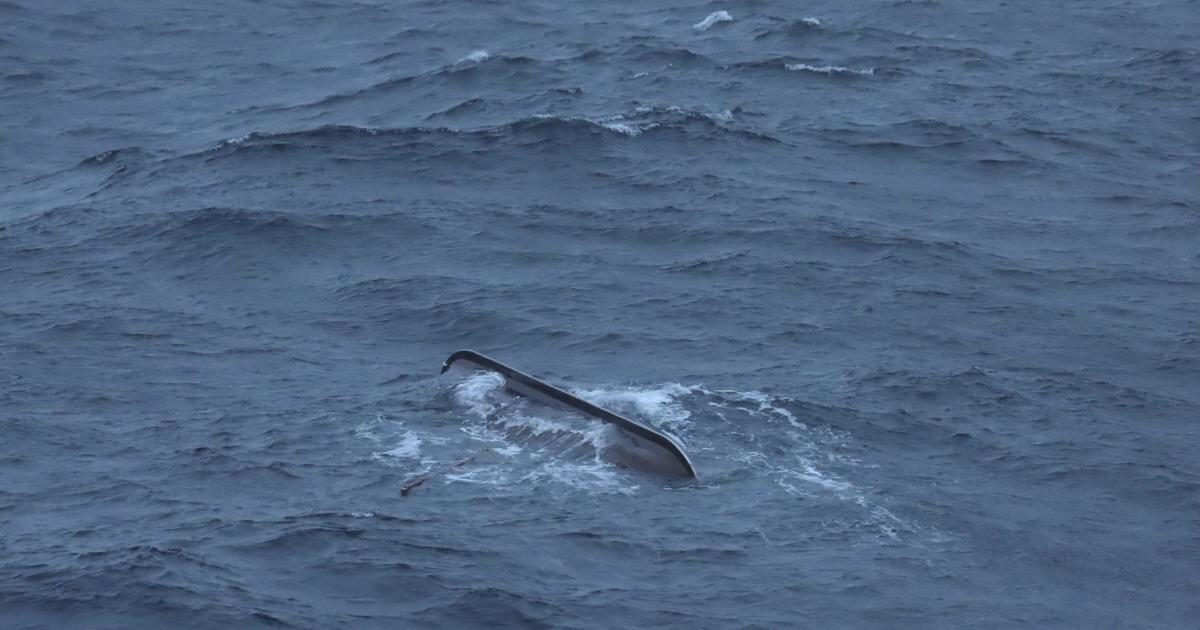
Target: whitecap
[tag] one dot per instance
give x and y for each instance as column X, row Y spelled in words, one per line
column 618, row 125
column 534, row 425
column 715, row 17
column 408, row 448
column 594, row 476
column 475, row 56
column 722, row 116
column 810, row 474
column 765, row 404
column 659, row 404
column 476, row 390
column 828, row 70
column 810, row 21
column 232, row 142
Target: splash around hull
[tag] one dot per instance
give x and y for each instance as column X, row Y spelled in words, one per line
column 638, row 446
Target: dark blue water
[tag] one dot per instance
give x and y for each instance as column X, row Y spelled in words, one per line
column 917, row 284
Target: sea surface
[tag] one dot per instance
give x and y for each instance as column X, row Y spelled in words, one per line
column 915, row 283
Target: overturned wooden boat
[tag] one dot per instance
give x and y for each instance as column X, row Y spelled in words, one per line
column 637, row 445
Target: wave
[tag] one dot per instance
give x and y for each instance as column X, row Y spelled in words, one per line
column 670, row 55
column 24, row 77
column 646, row 118
column 401, row 39
column 788, row 27
column 398, row 290
column 194, row 240
column 469, row 106
column 119, row 155
column 407, row 446
column 714, row 18
column 830, row 70
column 511, row 69
column 791, row 443
column 1172, row 58
column 970, row 57
column 912, row 134
column 537, row 129
column 475, row 56
column 815, row 31
column 464, row 607
column 744, row 436
column 660, row 404
column 644, row 49
column 535, row 443
column 1066, row 138
column 481, row 64
column 141, row 576
column 206, row 221
column 791, row 64
column 471, row 65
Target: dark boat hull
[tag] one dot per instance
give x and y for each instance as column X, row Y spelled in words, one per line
column 638, row 446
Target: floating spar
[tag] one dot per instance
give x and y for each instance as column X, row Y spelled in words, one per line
column 636, row 446
column 420, row 479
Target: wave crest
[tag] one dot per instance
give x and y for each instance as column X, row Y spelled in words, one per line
column 537, row 129
column 714, row 18
column 830, row 70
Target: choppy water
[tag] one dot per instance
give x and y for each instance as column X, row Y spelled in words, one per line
column 916, row 283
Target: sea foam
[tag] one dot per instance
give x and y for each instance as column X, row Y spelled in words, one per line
column 716, row 17
column 475, row 56
column 829, row 70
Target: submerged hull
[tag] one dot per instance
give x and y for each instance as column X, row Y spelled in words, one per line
column 639, row 446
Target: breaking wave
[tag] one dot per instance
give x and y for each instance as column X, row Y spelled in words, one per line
column 830, row 70
column 714, row 18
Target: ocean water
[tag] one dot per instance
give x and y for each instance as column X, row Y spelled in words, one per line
column 916, row 283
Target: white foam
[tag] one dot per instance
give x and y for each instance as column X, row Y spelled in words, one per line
column 537, row 425
column 512, row 423
column 561, row 448
column 810, row 21
column 828, row 70
column 475, row 56
column 716, row 17
column 481, row 475
column 408, row 448
column 232, row 142
column 763, row 401
column 593, row 476
column 883, row 519
column 366, row 430
column 642, row 119
column 476, row 390
column 792, row 489
column 810, row 474
column 656, row 404
column 880, row 517
column 805, row 474
column 383, row 432
column 618, row 124
column 722, row 116
column 487, row 433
